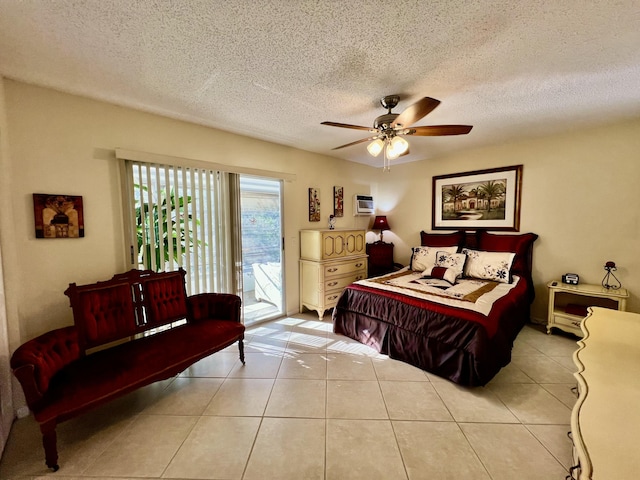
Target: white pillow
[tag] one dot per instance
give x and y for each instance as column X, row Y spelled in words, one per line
column 425, row 257
column 451, row 261
column 494, row 266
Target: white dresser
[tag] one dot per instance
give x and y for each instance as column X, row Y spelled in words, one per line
column 329, row 261
column 605, row 422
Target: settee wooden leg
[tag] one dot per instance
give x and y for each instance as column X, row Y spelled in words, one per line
column 241, row 348
column 49, row 443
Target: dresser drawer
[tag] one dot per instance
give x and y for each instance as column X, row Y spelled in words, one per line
column 330, row 299
column 339, row 283
column 344, row 268
column 568, row 322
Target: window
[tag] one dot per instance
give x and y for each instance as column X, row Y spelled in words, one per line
column 177, row 218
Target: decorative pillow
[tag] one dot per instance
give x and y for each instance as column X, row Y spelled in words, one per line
column 494, row 266
column 442, row 273
column 441, row 239
column 455, row 261
column 520, row 244
column 425, row 257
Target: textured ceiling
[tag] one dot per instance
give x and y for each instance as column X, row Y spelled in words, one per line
column 275, row 69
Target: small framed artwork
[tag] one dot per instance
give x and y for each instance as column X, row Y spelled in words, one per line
column 314, row 205
column 58, row 216
column 338, row 201
column 478, row 200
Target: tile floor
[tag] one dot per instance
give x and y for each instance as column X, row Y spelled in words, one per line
column 310, row 404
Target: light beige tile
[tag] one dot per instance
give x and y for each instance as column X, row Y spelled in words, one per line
column 258, row 365
column 350, row 367
column 566, row 361
column 288, row 449
column 355, row 399
column 362, row 449
column 511, row 451
column 145, row 448
column 307, row 342
column 305, row 365
column 389, row 369
column 477, row 404
column 217, row 365
column 217, row 447
column 313, row 326
column 414, row 401
column 297, row 398
column 437, row 450
column 511, row 374
column 556, row 440
column 542, row 369
column 185, row 396
column 522, row 347
column 241, row 397
column 267, row 344
column 563, row 392
column 339, row 344
column 557, row 345
column 532, row 404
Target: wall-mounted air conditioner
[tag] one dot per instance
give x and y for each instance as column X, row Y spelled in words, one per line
column 363, row 205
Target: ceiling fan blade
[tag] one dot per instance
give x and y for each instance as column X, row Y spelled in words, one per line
column 346, row 125
column 415, row 112
column 437, row 130
column 356, row 142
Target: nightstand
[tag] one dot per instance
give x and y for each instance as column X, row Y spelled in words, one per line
column 380, row 258
column 568, row 304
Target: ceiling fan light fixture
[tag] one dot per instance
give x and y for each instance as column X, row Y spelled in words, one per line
column 396, row 147
column 375, row 147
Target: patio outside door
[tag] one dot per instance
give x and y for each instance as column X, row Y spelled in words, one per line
column 262, row 260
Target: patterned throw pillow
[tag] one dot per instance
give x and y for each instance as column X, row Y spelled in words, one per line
column 441, row 273
column 452, row 261
column 494, row 266
column 425, row 257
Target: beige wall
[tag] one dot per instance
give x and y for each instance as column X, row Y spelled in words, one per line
column 61, row 143
column 579, row 195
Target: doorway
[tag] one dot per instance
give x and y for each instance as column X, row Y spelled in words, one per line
column 262, row 255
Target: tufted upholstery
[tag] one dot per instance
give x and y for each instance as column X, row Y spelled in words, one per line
column 107, row 314
column 165, row 298
column 38, row 360
column 61, row 380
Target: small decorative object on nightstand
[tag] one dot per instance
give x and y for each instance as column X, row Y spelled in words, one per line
column 380, row 223
column 568, row 304
column 615, row 284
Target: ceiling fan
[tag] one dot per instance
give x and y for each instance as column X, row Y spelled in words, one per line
column 389, row 129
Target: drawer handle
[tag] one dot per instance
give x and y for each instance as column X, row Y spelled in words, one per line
column 577, row 324
column 358, row 265
column 359, row 277
column 331, row 270
column 333, row 297
column 331, row 284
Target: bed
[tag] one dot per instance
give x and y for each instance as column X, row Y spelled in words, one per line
column 454, row 311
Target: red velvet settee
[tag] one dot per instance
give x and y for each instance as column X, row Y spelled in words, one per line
column 106, row 354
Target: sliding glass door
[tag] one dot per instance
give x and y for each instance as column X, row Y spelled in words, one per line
column 262, row 259
column 224, row 229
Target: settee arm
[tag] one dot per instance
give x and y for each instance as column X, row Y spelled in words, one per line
column 35, row 362
column 218, row 306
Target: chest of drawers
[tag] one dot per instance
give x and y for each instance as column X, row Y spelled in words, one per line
column 605, row 421
column 329, row 261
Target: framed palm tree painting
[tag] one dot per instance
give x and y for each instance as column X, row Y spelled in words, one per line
column 478, row 200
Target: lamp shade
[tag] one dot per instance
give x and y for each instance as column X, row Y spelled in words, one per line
column 380, row 223
column 375, row 147
column 396, row 147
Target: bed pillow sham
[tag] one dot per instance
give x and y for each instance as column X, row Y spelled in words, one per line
column 452, row 261
column 442, row 239
column 494, row 266
column 425, row 257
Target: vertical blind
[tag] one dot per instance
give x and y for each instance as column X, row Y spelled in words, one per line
column 177, row 218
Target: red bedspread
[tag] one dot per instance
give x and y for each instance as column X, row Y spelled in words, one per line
column 462, row 345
